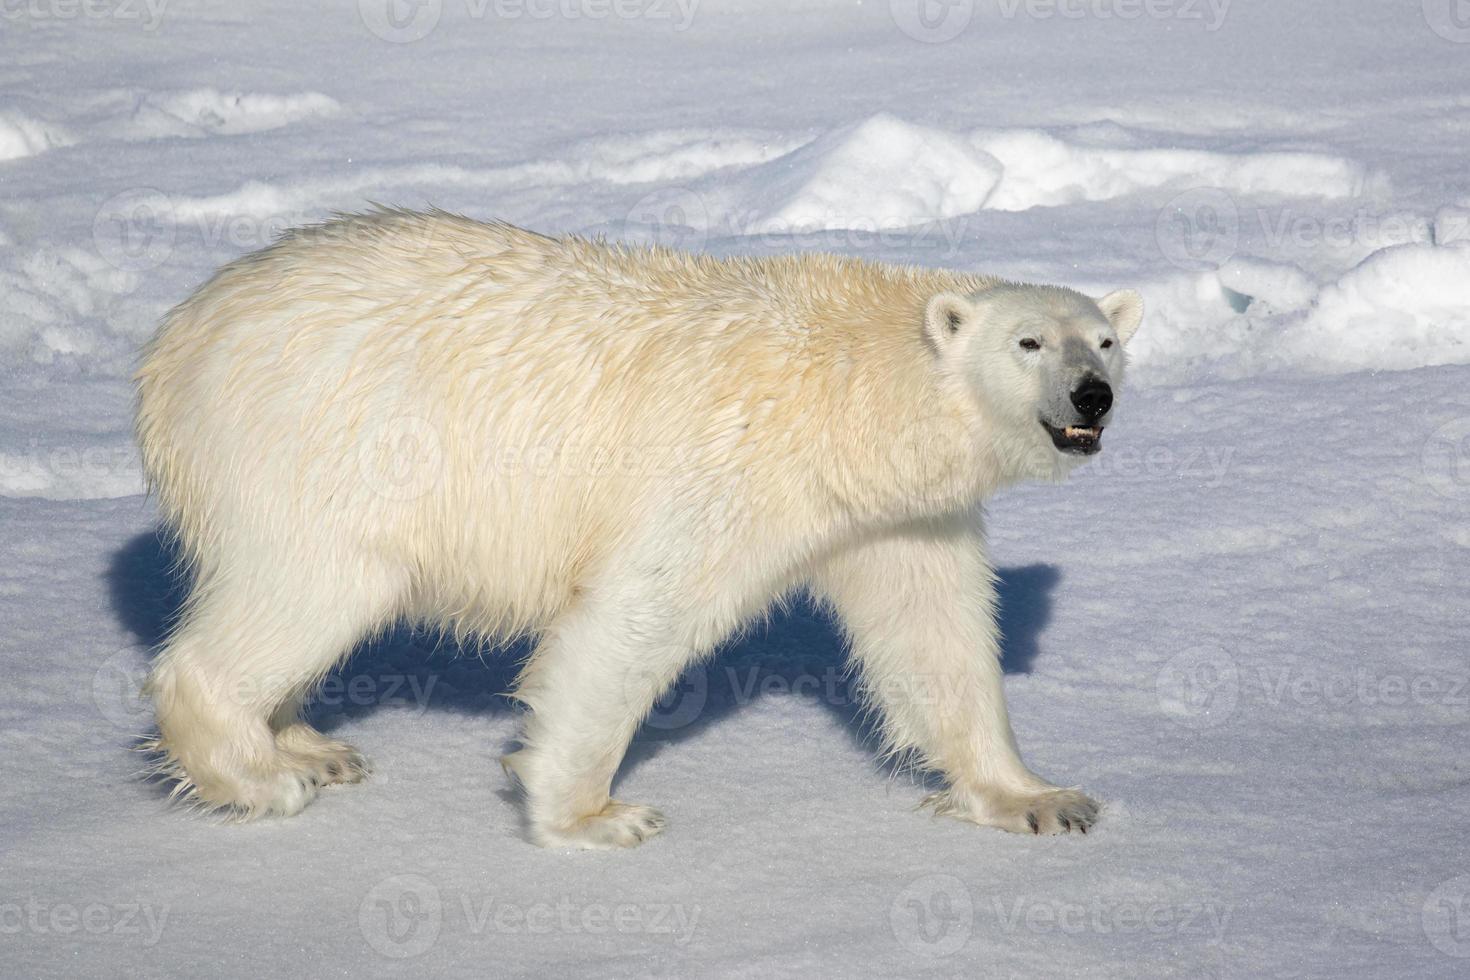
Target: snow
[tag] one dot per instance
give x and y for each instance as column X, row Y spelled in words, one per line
column 1404, row 307
column 22, row 136
column 203, row 112
column 1242, row 626
column 878, row 173
column 1044, row 171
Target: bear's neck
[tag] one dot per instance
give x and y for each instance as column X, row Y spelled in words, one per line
column 900, row 441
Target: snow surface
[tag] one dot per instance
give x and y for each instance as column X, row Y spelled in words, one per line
column 1243, row 626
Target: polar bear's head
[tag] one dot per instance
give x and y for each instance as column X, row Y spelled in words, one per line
column 1045, row 364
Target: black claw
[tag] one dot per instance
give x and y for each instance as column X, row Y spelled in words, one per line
column 1066, row 824
column 1031, row 820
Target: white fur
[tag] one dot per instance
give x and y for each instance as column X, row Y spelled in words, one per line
column 626, row 453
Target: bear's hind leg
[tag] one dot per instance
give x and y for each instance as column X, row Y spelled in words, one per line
column 249, row 648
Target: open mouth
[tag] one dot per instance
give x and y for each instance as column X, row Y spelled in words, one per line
column 1075, row 439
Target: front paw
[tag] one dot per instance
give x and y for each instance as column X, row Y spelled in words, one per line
column 615, row 825
column 1049, row 811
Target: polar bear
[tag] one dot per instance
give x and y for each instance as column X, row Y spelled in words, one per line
column 625, row 453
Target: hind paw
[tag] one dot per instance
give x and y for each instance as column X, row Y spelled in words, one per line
column 321, row 760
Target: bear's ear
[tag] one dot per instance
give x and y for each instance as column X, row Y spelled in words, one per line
column 1124, row 310
column 946, row 316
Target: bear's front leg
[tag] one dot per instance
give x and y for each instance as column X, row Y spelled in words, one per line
column 919, row 609
column 592, row 680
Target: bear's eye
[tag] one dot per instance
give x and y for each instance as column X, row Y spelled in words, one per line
column 1106, row 344
column 1029, row 343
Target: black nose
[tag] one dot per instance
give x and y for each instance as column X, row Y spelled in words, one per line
column 1093, row 398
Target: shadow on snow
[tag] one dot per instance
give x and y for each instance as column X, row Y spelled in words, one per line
column 798, row 652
